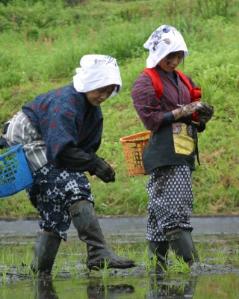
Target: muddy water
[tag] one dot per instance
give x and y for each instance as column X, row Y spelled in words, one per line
column 213, row 287
column 217, row 276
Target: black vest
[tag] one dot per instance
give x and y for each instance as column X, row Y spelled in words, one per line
column 160, row 151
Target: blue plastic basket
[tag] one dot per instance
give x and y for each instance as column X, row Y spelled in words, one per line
column 15, row 174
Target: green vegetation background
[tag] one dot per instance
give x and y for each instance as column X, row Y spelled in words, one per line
column 41, row 43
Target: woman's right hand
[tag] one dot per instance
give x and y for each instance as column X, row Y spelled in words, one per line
column 186, row 110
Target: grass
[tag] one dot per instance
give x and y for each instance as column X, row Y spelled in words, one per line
column 177, row 265
column 41, row 46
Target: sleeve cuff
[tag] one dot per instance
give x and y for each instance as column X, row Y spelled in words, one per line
column 168, row 118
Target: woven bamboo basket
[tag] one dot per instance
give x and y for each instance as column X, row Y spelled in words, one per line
column 133, row 146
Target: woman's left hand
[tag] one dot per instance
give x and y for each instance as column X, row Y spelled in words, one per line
column 205, row 112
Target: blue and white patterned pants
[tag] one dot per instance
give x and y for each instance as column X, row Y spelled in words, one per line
column 53, row 192
column 170, row 201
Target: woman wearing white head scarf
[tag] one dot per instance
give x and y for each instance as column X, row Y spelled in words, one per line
column 61, row 131
column 164, row 40
column 167, row 102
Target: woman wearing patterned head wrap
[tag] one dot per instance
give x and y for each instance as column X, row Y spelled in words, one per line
column 61, row 132
column 168, row 104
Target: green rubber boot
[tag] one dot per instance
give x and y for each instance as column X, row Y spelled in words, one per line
column 89, row 231
column 160, row 250
column 182, row 244
column 46, row 248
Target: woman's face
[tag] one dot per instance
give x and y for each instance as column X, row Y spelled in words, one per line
column 99, row 95
column 171, row 61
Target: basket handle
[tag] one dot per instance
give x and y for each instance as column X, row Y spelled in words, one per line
column 12, row 149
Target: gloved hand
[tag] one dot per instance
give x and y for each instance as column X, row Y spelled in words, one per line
column 103, row 170
column 189, row 109
column 205, row 112
column 186, row 110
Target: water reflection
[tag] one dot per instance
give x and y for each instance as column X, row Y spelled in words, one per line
column 130, row 287
column 163, row 288
column 45, row 288
column 97, row 290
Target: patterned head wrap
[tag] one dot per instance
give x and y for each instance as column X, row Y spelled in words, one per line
column 97, row 71
column 164, row 40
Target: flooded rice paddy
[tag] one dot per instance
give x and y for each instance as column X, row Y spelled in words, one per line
column 217, row 275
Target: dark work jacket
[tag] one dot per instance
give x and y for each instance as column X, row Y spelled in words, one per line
column 65, row 118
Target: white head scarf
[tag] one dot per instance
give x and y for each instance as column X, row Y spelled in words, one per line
column 97, row 71
column 164, row 40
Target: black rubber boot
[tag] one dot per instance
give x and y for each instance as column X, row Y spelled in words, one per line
column 160, row 250
column 46, row 248
column 182, row 244
column 89, row 231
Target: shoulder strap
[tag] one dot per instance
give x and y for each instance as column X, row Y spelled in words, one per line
column 195, row 92
column 185, row 80
column 156, row 81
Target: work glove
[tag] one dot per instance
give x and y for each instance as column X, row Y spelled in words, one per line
column 189, row 109
column 186, row 110
column 102, row 170
column 76, row 159
column 205, row 112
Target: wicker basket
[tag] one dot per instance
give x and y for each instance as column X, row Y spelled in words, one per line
column 133, row 146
